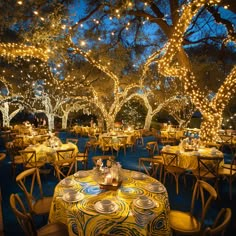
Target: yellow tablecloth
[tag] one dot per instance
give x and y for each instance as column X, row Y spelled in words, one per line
column 82, row 218
column 169, row 134
column 188, row 160
column 47, row 153
column 115, row 141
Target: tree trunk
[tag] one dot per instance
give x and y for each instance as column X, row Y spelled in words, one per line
column 5, row 115
column 109, row 123
column 50, row 122
column 210, row 127
column 64, row 120
column 148, row 121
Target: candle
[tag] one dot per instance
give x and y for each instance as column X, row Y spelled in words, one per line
column 108, row 179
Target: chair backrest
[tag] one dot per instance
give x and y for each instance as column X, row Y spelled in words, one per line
column 207, row 195
column 72, row 140
column 23, row 217
column 64, row 154
column 171, row 134
column 220, row 224
column 152, row 147
column 103, row 158
column 170, row 159
column 29, row 158
column 19, row 142
column 26, row 181
column 106, row 140
column 226, row 139
column 122, row 140
column 208, row 167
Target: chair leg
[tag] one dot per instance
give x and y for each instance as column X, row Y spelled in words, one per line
column 177, row 183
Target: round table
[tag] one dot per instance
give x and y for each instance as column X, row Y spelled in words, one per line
column 82, row 217
column 47, row 153
column 188, row 159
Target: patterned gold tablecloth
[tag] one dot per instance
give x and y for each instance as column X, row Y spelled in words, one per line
column 82, row 218
column 188, row 160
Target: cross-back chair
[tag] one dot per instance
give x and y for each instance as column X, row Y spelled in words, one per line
column 15, row 157
column 30, row 159
column 226, row 142
column 93, row 142
column 122, row 142
column 72, row 140
column 26, row 222
column 220, row 223
column 107, row 144
column 64, row 163
column 151, row 166
column 208, row 169
column 228, row 172
column 27, row 180
column 187, row 223
column 171, row 166
column 82, row 157
column 131, row 142
column 152, row 148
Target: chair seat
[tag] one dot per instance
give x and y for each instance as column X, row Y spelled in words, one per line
column 175, row 169
column 42, row 206
column 38, row 164
column 184, row 222
column 18, row 160
column 53, row 229
column 2, row 156
column 226, row 171
column 228, row 166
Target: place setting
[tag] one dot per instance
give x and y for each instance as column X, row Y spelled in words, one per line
column 72, row 196
column 105, row 206
column 138, row 175
column 155, row 187
column 144, row 202
column 67, row 182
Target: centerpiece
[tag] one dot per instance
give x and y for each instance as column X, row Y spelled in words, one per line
column 108, row 176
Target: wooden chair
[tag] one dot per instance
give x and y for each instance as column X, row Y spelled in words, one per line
column 26, row 181
column 72, row 140
column 226, row 141
column 1, row 215
column 64, row 163
column 19, row 143
column 122, row 142
column 82, row 157
column 30, row 159
column 228, row 171
column 131, row 143
column 15, row 157
column 26, row 222
column 220, row 224
column 171, row 166
column 208, row 169
column 93, row 142
column 107, row 144
column 186, row 223
column 152, row 148
column 151, row 166
column 103, row 158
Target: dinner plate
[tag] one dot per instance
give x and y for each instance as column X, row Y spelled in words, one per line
column 160, row 189
column 138, row 176
column 73, row 196
column 66, row 183
column 149, row 205
column 80, row 174
column 99, row 208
